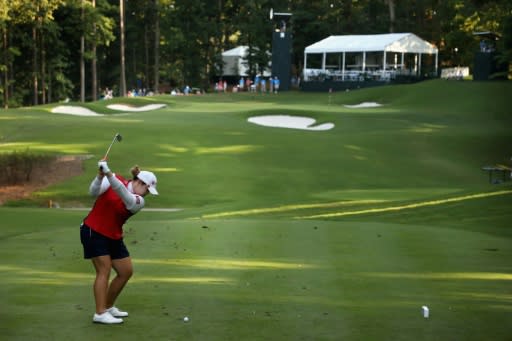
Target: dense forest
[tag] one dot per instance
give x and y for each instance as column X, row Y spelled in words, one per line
column 57, row 49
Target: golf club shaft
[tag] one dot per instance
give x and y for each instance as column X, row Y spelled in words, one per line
column 116, row 137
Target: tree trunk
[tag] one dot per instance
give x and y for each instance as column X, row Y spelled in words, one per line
column 147, row 68
column 94, row 72
column 391, row 5
column 35, row 66
column 43, row 70
column 347, row 16
column 82, row 61
column 122, row 89
column 50, row 92
column 6, row 70
column 10, row 68
column 157, row 50
column 82, row 69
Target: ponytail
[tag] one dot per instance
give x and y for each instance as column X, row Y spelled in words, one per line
column 135, row 171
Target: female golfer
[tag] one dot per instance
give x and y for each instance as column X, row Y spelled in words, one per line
column 101, row 234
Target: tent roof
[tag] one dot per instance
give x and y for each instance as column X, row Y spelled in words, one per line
column 239, row 51
column 392, row 42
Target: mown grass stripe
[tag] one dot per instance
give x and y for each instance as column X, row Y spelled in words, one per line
column 409, row 206
column 285, row 208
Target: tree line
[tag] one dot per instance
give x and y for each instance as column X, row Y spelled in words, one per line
column 57, row 49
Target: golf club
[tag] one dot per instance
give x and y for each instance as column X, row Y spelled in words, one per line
column 118, row 138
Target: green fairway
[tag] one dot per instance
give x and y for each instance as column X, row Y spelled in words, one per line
column 280, row 234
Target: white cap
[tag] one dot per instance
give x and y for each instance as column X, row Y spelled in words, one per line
column 149, row 179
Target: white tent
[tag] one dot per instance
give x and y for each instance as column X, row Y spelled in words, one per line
column 234, row 61
column 384, row 45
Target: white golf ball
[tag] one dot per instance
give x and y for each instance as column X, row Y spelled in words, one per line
column 185, row 319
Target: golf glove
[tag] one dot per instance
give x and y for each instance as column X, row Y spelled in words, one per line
column 103, row 166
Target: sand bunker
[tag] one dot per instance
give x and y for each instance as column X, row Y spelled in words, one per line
column 293, row 122
column 81, row 111
column 364, row 105
column 73, row 110
column 122, row 107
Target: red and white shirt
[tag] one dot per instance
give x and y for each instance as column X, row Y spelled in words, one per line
column 114, row 205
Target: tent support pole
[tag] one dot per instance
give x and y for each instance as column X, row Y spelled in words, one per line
column 343, row 68
column 419, row 64
column 436, row 64
column 305, row 75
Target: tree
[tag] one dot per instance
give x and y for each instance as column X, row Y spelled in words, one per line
column 122, row 45
column 94, row 58
column 256, row 33
column 6, row 9
column 99, row 30
column 392, row 15
column 157, row 47
column 82, row 56
column 40, row 13
column 506, row 42
column 47, row 45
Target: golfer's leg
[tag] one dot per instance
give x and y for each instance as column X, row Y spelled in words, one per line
column 124, row 270
column 103, row 265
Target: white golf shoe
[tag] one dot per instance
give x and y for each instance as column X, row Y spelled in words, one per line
column 106, row 318
column 114, row 311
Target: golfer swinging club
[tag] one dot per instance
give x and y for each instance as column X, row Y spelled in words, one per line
column 101, row 234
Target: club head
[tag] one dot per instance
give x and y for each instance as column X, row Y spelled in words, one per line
column 118, row 137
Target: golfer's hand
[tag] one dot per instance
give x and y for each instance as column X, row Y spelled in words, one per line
column 103, row 167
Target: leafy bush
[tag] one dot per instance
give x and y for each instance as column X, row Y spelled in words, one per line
column 18, row 166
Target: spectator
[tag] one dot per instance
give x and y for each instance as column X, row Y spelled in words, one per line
column 276, row 84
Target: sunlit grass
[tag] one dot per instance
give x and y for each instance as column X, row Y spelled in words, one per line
column 479, row 276
column 188, row 280
column 174, row 148
column 71, row 148
column 165, row 169
column 226, row 264
column 233, row 149
column 386, row 194
column 407, row 206
column 484, row 296
column 287, row 208
column 236, row 149
column 17, row 274
column 426, row 128
column 121, row 118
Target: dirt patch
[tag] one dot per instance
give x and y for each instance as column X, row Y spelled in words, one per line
column 43, row 176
